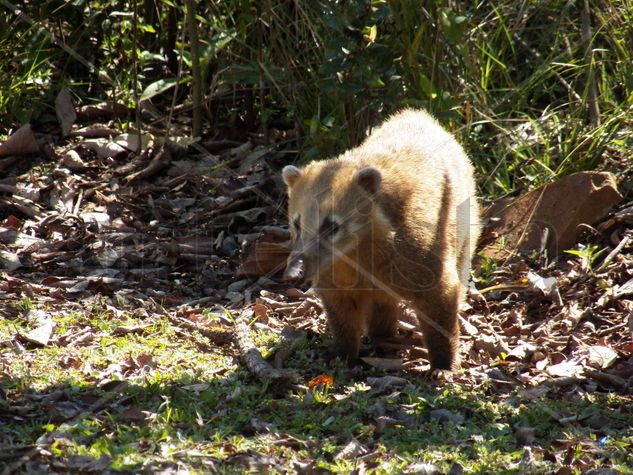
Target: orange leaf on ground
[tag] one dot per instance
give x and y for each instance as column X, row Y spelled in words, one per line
column 324, row 379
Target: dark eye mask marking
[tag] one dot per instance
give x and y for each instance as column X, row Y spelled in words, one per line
column 329, row 227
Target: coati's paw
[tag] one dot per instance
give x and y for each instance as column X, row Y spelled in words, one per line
column 439, row 376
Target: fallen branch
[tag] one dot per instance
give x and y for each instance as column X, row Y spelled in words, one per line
column 241, row 337
column 12, row 452
column 606, row 378
column 161, row 160
column 218, row 337
column 250, row 355
column 625, row 240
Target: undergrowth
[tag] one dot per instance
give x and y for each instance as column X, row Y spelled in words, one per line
column 535, row 90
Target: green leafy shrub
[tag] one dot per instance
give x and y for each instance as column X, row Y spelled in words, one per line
column 533, row 89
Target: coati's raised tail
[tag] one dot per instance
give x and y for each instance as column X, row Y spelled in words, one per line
column 395, row 219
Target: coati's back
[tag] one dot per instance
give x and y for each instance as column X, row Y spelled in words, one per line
column 428, row 182
column 395, row 218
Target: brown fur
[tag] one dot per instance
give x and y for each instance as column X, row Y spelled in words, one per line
column 407, row 221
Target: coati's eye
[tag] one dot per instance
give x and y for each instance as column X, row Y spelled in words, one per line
column 329, row 227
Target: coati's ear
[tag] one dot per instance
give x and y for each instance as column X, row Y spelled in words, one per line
column 369, row 178
column 290, row 174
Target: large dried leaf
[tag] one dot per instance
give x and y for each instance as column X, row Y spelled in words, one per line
column 267, row 256
column 104, row 148
column 20, row 142
column 95, row 131
column 555, row 210
column 385, row 364
column 566, row 368
column 133, row 142
column 65, row 111
column 41, row 334
column 600, row 356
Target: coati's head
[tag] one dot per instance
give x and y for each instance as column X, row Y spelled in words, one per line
column 331, row 210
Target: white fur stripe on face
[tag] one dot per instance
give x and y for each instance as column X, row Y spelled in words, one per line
column 295, row 218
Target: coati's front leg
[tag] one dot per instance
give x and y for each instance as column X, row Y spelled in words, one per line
column 347, row 313
column 439, row 321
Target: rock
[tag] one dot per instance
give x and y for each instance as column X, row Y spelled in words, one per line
column 238, row 286
column 559, row 207
column 234, row 297
column 525, row 436
column 444, row 416
column 229, row 246
column 9, row 261
column 422, row 468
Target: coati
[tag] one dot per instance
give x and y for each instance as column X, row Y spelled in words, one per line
column 395, row 219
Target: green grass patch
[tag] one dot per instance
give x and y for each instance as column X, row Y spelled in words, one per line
column 184, row 405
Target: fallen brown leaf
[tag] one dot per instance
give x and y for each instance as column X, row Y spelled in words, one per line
column 20, row 142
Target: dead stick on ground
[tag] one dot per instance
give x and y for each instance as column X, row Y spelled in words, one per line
column 241, row 337
column 615, row 252
column 161, row 160
column 250, row 355
column 606, row 378
column 218, row 337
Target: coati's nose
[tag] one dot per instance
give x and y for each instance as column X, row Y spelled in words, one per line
column 294, row 269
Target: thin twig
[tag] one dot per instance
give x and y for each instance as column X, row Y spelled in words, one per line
column 625, row 240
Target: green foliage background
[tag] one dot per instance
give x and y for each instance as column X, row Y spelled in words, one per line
column 534, row 89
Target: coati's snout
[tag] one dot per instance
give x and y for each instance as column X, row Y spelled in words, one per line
column 301, row 264
column 329, row 215
column 295, row 270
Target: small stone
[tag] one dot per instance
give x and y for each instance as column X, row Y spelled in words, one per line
column 229, row 246
column 524, row 436
column 238, row 286
column 234, row 297
column 421, row 468
column 444, row 415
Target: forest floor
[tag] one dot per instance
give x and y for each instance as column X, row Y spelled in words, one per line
column 122, row 345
